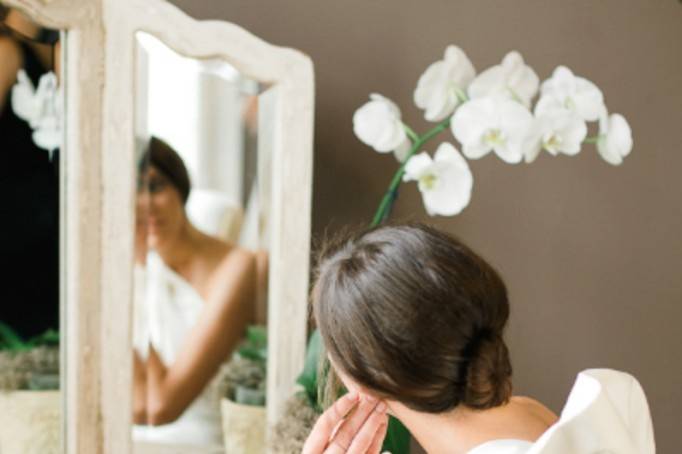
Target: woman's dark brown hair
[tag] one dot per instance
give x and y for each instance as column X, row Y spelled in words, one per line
column 414, row 315
column 165, row 159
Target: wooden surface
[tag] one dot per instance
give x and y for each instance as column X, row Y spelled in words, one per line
column 81, row 209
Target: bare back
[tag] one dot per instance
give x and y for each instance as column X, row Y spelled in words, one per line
column 522, row 419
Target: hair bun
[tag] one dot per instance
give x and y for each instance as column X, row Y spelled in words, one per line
column 488, row 375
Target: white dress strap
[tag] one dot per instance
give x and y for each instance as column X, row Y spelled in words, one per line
column 170, row 309
column 502, row 447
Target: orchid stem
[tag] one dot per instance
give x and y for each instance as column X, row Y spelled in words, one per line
column 392, row 192
column 410, row 133
column 461, row 95
column 594, row 139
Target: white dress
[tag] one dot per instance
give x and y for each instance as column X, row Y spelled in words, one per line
column 166, row 309
column 503, row 447
column 606, row 413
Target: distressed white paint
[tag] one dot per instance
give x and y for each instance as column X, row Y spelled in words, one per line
column 81, row 212
column 288, row 107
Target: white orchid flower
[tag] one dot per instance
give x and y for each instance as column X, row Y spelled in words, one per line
column 25, row 104
column 561, row 133
column 492, row 124
column 40, row 108
column 402, row 151
column 566, row 92
column 378, row 124
column 615, row 138
column 48, row 134
column 512, row 78
column 445, row 182
column 438, row 90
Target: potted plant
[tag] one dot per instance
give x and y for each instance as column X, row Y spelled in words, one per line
column 243, row 404
column 30, row 401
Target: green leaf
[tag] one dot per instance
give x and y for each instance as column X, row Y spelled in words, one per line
column 259, row 355
column 257, row 335
column 10, row 340
column 397, row 439
column 255, row 348
column 308, row 378
column 48, row 338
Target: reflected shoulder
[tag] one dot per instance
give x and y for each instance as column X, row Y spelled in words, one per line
column 10, row 55
column 234, row 258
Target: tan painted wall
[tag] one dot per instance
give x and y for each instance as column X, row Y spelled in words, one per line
column 591, row 253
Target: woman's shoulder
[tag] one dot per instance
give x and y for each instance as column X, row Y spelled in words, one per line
column 10, row 45
column 12, row 57
column 236, row 256
column 217, row 259
column 224, row 258
column 536, row 409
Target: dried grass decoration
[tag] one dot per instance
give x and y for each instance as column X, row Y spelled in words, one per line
column 294, row 427
column 28, row 365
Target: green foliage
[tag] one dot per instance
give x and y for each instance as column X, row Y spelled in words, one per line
column 256, row 346
column 245, row 374
column 11, row 341
column 397, row 439
column 308, row 378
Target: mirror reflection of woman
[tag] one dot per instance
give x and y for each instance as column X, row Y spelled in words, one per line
column 29, row 183
column 198, row 301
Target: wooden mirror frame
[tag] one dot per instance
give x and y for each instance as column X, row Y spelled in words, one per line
column 81, row 210
column 98, row 194
column 285, row 112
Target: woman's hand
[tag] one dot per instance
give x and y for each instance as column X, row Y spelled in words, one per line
column 353, row 425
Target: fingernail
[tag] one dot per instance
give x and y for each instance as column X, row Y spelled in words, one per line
column 381, row 407
column 370, row 399
column 352, row 396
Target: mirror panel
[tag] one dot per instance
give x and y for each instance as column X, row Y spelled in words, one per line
column 31, row 125
column 201, row 253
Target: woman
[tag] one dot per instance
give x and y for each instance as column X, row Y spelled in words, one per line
column 413, row 322
column 198, row 301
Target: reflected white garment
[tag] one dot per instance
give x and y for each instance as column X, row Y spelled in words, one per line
column 606, row 413
column 164, row 317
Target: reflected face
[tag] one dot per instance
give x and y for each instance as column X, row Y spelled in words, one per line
column 160, row 210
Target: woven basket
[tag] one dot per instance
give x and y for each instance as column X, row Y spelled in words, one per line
column 30, row 422
column 243, row 428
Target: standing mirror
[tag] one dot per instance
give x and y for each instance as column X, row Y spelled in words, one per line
column 240, row 126
column 201, row 254
column 207, row 167
column 31, row 125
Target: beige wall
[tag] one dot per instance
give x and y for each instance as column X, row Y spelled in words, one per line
column 591, row 253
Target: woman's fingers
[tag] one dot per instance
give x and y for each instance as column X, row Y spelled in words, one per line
column 339, row 430
column 371, row 432
column 322, row 431
column 353, row 423
column 378, row 442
